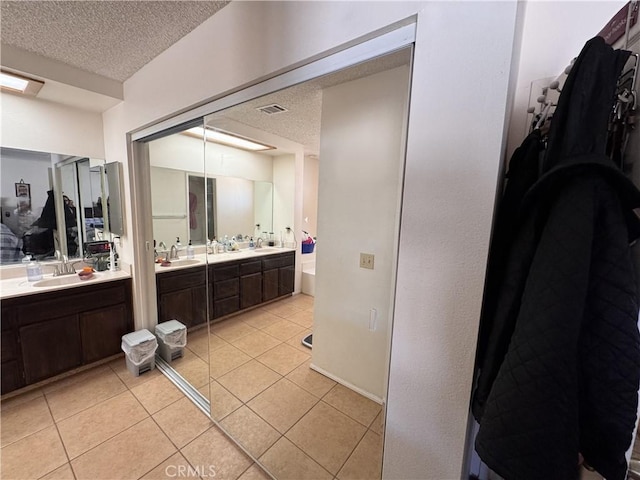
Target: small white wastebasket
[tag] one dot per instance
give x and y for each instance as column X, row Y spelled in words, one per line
column 172, row 338
column 140, row 351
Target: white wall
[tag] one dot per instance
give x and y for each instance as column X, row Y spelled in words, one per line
column 461, row 64
column 234, row 206
column 32, row 124
column 361, row 146
column 310, row 196
column 284, row 187
column 188, row 153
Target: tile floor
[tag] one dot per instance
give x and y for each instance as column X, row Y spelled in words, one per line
column 106, row 424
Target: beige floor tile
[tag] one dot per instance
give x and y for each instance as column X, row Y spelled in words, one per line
column 303, row 318
column 83, row 431
column 226, row 359
column 62, row 473
column 222, row 401
column 260, row 318
column 77, row 396
column 296, row 341
column 182, row 421
column 174, row 467
column 213, row 450
column 199, row 344
column 366, row 460
column 127, row 455
column 303, row 301
column 33, row 456
column 353, row 404
column 248, row 380
column 156, row 394
column 79, row 377
column 283, row 358
column 281, row 309
column 254, row 472
column 284, row 330
column 285, row 461
column 313, row 382
column 24, row 419
column 282, row 404
column 251, row 431
column 194, row 370
column 215, row 342
column 256, row 343
column 326, row 435
column 119, row 366
column 378, row 423
column 20, row 398
column 231, row 329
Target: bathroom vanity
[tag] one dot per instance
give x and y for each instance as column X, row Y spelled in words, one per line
column 46, row 334
column 237, row 281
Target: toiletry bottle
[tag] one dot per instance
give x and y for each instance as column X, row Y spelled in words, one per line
column 113, row 265
column 190, row 252
column 34, row 271
column 178, row 244
column 252, row 244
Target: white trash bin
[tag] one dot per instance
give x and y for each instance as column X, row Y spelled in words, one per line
column 140, row 351
column 172, row 338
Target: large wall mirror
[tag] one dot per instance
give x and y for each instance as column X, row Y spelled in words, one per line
column 340, row 139
column 52, row 202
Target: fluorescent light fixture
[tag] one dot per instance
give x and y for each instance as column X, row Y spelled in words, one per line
column 15, row 83
column 229, row 139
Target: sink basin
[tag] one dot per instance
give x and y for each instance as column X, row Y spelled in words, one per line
column 63, row 280
column 183, row 262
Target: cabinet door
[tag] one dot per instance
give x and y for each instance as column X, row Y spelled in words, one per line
column 50, row 347
column 102, row 330
column 12, row 377
column 250, row 290
column 199, row 302
column 286, row 280
column 270, row 284
column 226, row 306
column 177, row 306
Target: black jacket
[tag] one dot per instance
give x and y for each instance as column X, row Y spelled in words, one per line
column 559, row 350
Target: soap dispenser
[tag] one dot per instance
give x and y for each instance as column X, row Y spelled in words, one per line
column 190, row 251
column 34, row 270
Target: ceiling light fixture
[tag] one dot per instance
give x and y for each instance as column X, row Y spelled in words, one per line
column 228, row 139
column 15, row 83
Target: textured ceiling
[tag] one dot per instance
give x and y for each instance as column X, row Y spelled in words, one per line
column 110, row 38
column 301, row 123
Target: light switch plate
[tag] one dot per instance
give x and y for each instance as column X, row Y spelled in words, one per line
column 366, row 260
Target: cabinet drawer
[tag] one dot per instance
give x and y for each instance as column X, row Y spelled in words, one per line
column 225, row 289
column 192, row 277
column 226, row 306
column 225, row 272
column 250, row 267
column 72, row 301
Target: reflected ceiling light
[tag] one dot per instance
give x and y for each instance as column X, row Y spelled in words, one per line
column 15, row 83
column 228, row 139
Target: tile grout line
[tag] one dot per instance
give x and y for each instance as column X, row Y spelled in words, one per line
column 64, row 447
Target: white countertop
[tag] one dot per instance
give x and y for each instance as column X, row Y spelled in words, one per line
column 14, row 282
column 19, row 286
column 204, row 259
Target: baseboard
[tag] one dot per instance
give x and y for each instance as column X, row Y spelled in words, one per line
column 350, row 386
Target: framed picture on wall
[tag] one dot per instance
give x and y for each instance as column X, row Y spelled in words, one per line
column 23, row 189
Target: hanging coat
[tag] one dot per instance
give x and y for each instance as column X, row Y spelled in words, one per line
column 564, row 316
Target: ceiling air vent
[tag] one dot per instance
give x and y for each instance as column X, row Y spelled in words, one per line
column 272, row 109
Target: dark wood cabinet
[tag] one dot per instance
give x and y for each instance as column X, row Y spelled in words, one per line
column 223, row 288
column 50, row 347
column 182, row 296
column 50, row 333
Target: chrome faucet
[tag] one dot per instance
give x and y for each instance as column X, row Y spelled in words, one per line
column 65, row 267
column 259, row 242
column 173, row 254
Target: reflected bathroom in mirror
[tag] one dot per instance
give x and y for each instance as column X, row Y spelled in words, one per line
column 44, row 194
